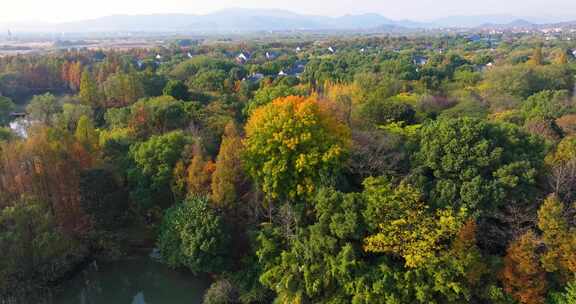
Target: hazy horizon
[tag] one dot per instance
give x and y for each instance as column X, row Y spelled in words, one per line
column 418, row 10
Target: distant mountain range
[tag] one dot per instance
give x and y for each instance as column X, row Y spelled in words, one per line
column 253, row 20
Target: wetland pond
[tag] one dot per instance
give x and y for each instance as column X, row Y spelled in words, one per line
column 138, row 280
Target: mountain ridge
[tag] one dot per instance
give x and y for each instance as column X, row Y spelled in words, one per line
column 253, row 20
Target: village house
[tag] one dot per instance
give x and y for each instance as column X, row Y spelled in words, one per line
column 159, row 59
column 296, row 70
column 271, row 55
column 16, row 115
column 420, row 60
column 242, row 58
column 254, row 77
column 483, row 67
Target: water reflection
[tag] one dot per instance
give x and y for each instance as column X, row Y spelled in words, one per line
column 134, row 281
column 139, row 299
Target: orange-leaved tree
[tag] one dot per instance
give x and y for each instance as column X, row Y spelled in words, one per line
column 199, row 173
column 228, row 178
column 523, row 277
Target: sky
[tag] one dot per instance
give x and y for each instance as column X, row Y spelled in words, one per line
column 418, row 10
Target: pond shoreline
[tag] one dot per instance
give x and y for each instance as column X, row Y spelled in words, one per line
column 136, row 251
column 137, row 278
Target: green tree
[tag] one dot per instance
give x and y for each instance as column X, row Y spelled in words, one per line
column 324, row 262
column 522, row 81
column 103, row 199
column 153, row 84
column 547, row 104
column 123, row 89
column 34, row 249
column 374, row 87
column 537, row 57
column 208, row 80
column 71, row 114
column 381, row 112
column 191, row 67
column 6, row 107
column 88, row 89
column 471, row 163
column 568, row 297
column 267, row 94
column 176, row 89
column 154, row 162
column 221, row 292
column 5, row 134
column 43, row 107
column 85, row 133
column 117, row 117
column 323, row 259
column 157, row 115
column 192, row 235
column 468, row 105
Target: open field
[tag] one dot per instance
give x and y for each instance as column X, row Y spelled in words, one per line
column 30, row 47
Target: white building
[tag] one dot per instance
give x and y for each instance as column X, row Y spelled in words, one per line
column 242, row 58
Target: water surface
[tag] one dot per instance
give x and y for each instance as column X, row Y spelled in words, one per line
column 133, row 281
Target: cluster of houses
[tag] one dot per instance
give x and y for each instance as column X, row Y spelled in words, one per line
column 554, row 34
column 296, row 71
column 243, row 57
column 298, row 67
column 492, row 39
column 550, row 33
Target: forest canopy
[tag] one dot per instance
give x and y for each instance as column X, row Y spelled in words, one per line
column 421, row 169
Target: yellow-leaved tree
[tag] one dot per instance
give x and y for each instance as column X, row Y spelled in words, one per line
column 86, row 134
column 406, row 227
column 558, row 236
column 292, row 146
